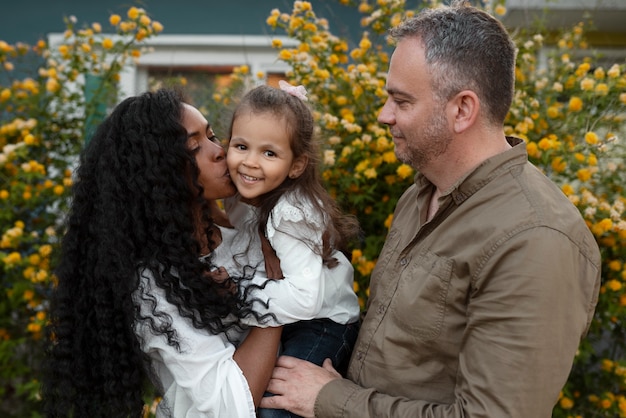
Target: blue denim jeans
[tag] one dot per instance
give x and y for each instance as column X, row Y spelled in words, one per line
column 315, row 341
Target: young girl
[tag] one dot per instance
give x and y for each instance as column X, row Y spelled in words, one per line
column 273, row 160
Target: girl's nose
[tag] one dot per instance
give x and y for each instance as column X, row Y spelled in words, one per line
column 249, row 161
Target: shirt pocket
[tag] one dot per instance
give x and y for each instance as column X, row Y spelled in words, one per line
column 419, row 304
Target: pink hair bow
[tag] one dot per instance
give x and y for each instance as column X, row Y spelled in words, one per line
column 298, row 91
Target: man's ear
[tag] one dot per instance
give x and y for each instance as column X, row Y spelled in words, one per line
column 464, row 109
column 298, row 166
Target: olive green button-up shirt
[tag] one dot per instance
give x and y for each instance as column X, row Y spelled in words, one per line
column 479, row 312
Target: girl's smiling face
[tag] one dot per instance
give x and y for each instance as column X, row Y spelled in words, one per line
column 259, row 154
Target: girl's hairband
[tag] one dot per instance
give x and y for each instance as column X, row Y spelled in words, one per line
column 298, row 91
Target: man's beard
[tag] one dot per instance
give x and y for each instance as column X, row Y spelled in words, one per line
column 432, row 143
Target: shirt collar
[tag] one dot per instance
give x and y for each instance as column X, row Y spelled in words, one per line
column 473, row 181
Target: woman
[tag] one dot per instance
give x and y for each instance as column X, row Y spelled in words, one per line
column 139, row 295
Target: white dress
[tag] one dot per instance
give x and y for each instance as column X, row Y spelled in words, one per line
column 309, row 289
column 202, row 379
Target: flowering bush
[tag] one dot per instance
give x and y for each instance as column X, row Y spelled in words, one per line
column 570, row 110
column 44, row 120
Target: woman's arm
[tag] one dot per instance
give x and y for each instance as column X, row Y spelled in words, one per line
column 256, row 357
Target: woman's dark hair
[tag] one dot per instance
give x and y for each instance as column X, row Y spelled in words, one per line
column 135, row 203
column 298, row 118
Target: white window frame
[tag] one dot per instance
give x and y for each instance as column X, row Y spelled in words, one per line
column 182, row 50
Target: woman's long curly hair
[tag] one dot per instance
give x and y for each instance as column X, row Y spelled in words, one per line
column 135, row 200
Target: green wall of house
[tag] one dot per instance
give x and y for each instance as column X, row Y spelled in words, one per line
column 27, row 21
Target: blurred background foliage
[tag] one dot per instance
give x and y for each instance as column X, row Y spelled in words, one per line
column 570, row 108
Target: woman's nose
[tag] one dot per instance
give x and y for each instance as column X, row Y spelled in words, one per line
column 218, row 153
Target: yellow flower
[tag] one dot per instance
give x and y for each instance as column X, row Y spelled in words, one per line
column 284, row 54
column 614, row 71
column 45, row 250
column 277, row 43
column 30, row 139
column 533, row 150
column 575, row 104
column 591, row 138
column 592, row 160
column 558, row 164
column 388, row 221
column 545, row 144
column 583, row 69
column 390, row 157
column 4, row 194
column 404, row 171
column 567, row 189
column 365, row 43
column 107, row 43
column 157, row 27
column 607, row 365
column 622, row 98
column 614, row 285
column 34, row 259
column 602, row 227
column 602, row 89
column 606, row 403
column 114, row 20
column 364, row 7
column 566, row 403
column 5, row 95
column 599, row 73
column 370, row 173
column 97, row 28
column 615, row 265
column 133, row 13
column 58, row 190
column 85, row 47
column 12, row 258
column 583, row 174
column 500, row 10
column 272, row 21
column 52, row 85
column 141, row 34
column 553, row 112
column 587, row 84
column 144, row 20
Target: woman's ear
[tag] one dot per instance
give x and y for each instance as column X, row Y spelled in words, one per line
column 298, row 166
column 464, row 108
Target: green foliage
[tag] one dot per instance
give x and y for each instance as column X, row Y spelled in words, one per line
column 569, row 108
column 45, row 117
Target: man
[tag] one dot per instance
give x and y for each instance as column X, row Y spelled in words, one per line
column 488, row 278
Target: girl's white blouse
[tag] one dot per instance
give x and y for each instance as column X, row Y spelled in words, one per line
column 309, row 289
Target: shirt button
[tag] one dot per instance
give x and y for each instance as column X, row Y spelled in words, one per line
column 381, row 309
column 403, row 261
column 359, row 355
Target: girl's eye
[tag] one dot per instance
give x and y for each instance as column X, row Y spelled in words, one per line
column 270, row 153
column 240, row 147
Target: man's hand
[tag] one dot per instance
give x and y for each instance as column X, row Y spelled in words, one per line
column 296, row 384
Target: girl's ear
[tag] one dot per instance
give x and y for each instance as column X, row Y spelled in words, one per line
column 298, row 166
